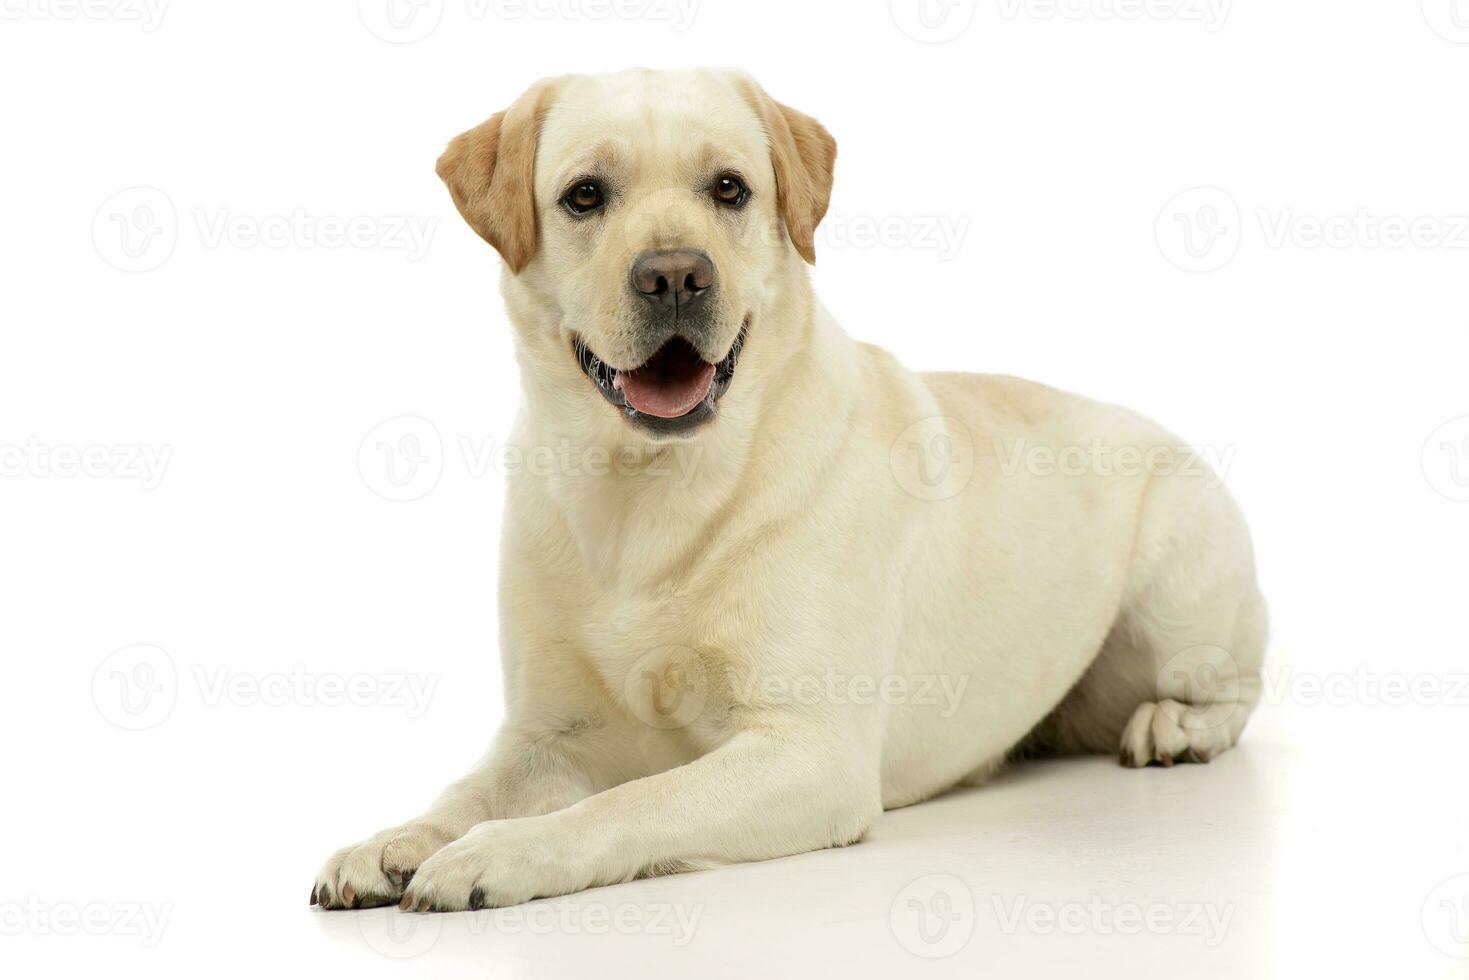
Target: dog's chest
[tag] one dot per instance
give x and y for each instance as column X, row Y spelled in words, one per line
column 660, row 668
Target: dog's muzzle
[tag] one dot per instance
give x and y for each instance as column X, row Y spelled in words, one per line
column 673, row 392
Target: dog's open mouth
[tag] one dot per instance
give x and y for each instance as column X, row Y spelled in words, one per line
column 672, row 391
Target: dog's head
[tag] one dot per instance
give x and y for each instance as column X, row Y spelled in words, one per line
column 647, row 220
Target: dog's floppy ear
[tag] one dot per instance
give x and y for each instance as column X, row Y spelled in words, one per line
column 804, row 155
column 490, row 172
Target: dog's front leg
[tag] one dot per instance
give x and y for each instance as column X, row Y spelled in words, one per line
column 764, row 793
column 528, row 771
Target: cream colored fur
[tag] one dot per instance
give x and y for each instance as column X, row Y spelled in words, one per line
column 672, row 622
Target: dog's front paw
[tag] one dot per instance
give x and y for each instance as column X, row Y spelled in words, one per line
column 375, row 871
column 499, row 863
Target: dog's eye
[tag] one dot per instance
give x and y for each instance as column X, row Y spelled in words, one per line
column 583, row 197
column 729, row 189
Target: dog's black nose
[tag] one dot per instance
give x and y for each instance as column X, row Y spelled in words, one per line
column 675, row 278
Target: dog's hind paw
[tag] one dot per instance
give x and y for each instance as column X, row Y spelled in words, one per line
column 1169, row 731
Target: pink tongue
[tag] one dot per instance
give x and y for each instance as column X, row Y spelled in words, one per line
column 656, row 393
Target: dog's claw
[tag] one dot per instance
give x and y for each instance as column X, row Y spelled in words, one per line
column 349, row 895
column 477, row 899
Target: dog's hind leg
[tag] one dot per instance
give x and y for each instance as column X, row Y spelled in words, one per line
column 1179, row 673
column 1206, row 688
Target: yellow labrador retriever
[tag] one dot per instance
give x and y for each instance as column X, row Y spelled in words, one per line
column 771, row 583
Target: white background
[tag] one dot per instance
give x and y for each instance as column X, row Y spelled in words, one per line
column 1024, row 164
